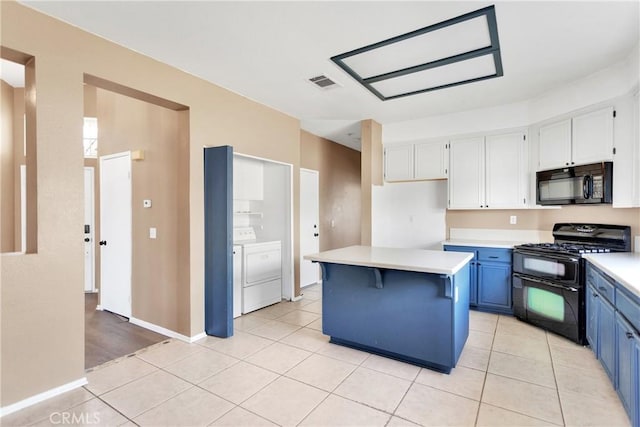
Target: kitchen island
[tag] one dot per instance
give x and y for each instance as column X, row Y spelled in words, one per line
column 407, row 304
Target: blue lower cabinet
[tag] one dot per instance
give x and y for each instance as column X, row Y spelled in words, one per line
column 494, row 286
column 612, row 315
column 628, row 344
column 607, row 339
column 490, row 278
column 592, row 317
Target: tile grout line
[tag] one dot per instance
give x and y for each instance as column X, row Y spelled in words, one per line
column 486, row 372
column 555, row 379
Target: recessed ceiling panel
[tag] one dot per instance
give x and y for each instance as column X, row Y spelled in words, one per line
column 474, row 69
column 432, row 46
column 460, row 50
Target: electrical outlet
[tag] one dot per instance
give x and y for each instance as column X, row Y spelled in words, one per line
column 146, row 203
column 513, row 219
column 153, row 233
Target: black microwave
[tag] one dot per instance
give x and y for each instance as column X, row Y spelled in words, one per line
column 586, row 184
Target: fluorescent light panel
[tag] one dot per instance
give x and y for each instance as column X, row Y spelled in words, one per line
column 453, row 52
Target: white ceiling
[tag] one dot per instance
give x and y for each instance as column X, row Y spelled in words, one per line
column 266, row 50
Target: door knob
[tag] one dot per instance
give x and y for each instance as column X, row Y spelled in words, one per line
column 86, row 239
column 315, row 234
column 103, row 243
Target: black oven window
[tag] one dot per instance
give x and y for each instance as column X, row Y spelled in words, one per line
column 549, row 268
column 545, row 303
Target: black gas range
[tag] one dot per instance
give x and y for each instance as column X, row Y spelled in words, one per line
column 549, row 279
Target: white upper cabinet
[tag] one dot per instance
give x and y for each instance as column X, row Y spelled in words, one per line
column 488, row 173
column 398, row 163
column 583, row 139
column 248, row 179
column 505, row 171
column 466, row 173
column 416, row 161
column 555, row 145
column 626, row 160
column 592, row 137
column 431, row 160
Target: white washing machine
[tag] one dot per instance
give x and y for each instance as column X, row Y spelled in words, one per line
column 261, row 282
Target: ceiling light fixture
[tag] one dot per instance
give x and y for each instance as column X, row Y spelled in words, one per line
column 457, row 51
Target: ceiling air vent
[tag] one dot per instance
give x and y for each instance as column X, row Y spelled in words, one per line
column 324, row 82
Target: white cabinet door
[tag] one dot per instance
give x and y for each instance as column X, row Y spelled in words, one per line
column 431, row 160
column 592, row 139
column 398, row 163
column 466, row 173
column 554, row 145
column 505, row 171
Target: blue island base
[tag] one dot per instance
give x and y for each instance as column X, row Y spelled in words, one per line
column 416, row 317
column 402, row 358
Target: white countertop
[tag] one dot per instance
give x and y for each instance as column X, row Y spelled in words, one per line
column 420, row 260
column 483, row 243
column 624, row 267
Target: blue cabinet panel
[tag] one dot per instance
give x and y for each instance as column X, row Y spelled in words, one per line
column 592, row 317
column 494, row 285
column 627, row 372
column 606, row 338
column 473, row 278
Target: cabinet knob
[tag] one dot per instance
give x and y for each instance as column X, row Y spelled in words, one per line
column 595, row 295
column 567, row 164
column 629, row 335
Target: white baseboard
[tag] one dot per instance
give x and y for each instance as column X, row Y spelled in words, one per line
column 165, row 331
column 42, row 397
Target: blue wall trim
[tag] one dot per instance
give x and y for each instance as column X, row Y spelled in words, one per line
column 218, row 246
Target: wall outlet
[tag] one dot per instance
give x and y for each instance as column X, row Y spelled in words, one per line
column 153, row 233
column 513, row 219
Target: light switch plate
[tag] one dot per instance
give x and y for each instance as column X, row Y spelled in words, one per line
column 146, row 203
column 153, row 233
column 513, row 219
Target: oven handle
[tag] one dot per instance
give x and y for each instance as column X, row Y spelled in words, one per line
column 544, row 282
column 540, row 255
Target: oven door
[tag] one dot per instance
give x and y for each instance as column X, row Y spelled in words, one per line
column 551, row 306
column 564, row 269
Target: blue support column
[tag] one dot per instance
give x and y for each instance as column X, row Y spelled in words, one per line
column 218, row 245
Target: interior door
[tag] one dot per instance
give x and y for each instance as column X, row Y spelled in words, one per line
column 309, row 225
column 115, row 233
column 89, row 246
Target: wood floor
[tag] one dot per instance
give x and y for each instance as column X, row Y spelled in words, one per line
column 109, row 336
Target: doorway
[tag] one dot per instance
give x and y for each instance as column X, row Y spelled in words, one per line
column 309, row 225
column 89, row 230
column 115, row 233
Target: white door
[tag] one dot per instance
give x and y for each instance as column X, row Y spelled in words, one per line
column 309, row 225
column 89, row 232
column 115, row 233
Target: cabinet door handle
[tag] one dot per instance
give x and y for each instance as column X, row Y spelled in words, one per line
column 629, row 334
column 595, row 295
column 493, row 257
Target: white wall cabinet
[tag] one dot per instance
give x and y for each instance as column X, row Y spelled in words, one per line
column 248, row 179
column 506, row 171
column 555, row 145
column 431, row 160
column 398, row 163
column 417, row 161
column 580, row 140
column 626, row 160
column 466, row 173
column 488, row 172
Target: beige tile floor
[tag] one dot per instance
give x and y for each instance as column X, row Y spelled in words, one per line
column 279, row 369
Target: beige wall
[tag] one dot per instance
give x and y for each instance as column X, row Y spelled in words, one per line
column 42, row 305
column 339, row 170
column 543, row 219
column 129, row 124
column 7, row 168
